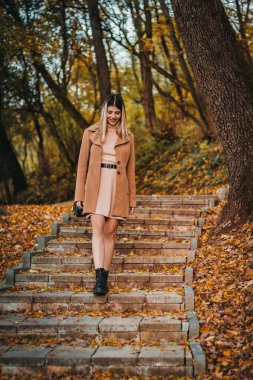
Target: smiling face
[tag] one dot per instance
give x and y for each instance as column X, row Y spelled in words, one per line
column 113, row 115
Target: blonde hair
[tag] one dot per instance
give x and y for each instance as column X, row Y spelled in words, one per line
column 121, row 128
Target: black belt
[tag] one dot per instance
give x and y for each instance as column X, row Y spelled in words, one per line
column 109, row 166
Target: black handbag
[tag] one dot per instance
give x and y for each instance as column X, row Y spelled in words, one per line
column 78, row 211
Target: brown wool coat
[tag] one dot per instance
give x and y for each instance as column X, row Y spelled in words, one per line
column 87, row 181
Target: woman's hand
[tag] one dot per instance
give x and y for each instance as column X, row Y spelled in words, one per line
column 131, row 210
column 79, row 204
column 78, row 208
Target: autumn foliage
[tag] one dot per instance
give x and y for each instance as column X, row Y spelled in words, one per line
column 223, row 299
column 223, row 283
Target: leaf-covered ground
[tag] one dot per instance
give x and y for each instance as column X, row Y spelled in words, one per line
column 223, row 300
column 223, row 283
column 20, row 226
column 190, row 165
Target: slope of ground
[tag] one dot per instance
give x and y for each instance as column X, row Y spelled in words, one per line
column 188, row 166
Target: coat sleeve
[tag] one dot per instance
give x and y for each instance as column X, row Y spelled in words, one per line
column 131, row 174
column 82, row 167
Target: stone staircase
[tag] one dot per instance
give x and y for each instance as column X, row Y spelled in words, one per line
column 144, row 326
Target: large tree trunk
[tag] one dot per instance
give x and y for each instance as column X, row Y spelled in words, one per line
column 224, row 80
column 101, row 60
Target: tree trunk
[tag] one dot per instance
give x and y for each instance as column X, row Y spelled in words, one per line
column 207, row 127
column 144, row 53
column 65, row 46
column 224, row 80
column 147, row 80
column 172, row 68
column 115, row 66
column 101, row 60
column 10, row 167
column 44, row 169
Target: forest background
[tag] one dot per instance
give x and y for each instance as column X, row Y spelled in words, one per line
column 60, row 59
column 185, row 71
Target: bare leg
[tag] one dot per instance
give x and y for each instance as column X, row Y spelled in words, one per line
column 98, row 246
column 109, row 240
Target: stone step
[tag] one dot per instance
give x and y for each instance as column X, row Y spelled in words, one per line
column 177, row 222
column 143, row 213
column 145, row 325
column 77, row 231
column 175, row 299
column 192, row 203
column 125, row 247
column 127, row 280
column 67, row 262
column 96, row 360
column 137, row 328
column 208, row 197
column 165, row 212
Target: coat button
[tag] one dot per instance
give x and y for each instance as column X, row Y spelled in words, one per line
column 118, row 162
column 118, row 172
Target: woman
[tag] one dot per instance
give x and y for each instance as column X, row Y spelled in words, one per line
column 105, row 183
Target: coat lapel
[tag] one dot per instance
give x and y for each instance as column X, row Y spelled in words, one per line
column 94, row 136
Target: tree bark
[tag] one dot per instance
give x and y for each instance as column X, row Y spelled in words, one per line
column 225, row 83
column 104, row 82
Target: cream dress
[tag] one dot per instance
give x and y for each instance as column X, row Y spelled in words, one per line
column 107, row 186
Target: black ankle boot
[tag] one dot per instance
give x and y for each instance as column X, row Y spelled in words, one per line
column 100, row 286
column 106, row 272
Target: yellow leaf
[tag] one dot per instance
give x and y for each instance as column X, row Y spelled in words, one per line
column 216, row 298
column 227, row 353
